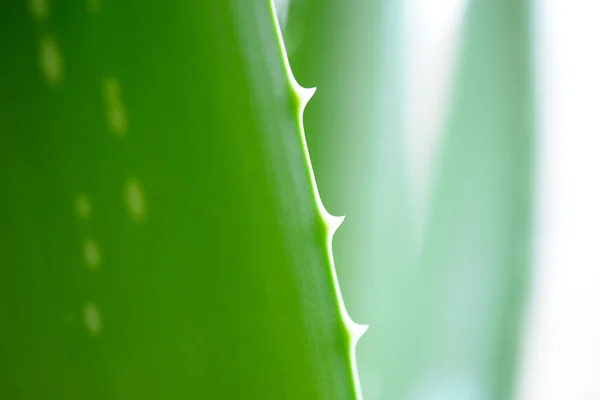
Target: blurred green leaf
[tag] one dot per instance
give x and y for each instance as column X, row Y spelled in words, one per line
column 444, row 308
column 475, row 261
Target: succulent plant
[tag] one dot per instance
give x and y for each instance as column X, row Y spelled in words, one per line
column 443, row 292
column 161, row 234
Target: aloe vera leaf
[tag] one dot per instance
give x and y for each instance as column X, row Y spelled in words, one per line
column 418, row 346
column 353, row 52
column 160, row 232
column 475, row 257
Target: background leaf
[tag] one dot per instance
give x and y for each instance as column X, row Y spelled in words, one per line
column 443, row 291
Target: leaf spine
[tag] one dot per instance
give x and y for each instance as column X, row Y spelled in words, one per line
column 355, row 331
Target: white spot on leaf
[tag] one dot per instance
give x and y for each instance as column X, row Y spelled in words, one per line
column 92, row 318
column 83, row 207
column 40, row 9
column 94, row 6
column 51, row 60
column 135, row 200
column 91, row 254
column 117, row 117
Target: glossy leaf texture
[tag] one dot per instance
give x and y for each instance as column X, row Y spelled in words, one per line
column 160, row 233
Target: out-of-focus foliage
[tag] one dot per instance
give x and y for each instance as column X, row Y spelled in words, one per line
column 443, row 300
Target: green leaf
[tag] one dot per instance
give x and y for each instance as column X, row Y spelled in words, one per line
column 444, row 309
column 475, row 263
column 354, row 126
column 160, row 232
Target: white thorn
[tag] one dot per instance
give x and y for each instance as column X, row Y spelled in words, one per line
column 357, row 331
column 307, row 93
column 333, row 222
column 304, row 94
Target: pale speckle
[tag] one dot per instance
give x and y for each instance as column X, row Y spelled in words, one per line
column 92, row 318
column 40, row 9
column 117, row 117
column 135, row 199
column 91, row 254
column 83, row 207
column 94, row 6
column 51, row 60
